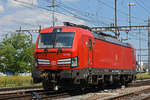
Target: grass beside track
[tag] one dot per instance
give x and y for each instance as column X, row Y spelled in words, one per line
column 143, row 76
column 14, row 81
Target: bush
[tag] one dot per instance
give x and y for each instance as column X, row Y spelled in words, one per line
column 13, row 81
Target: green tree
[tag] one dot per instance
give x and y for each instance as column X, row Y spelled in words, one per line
column 16, row 53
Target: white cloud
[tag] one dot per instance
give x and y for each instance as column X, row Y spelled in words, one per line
column 19, row 3
column 1, row 8
column 30, row 19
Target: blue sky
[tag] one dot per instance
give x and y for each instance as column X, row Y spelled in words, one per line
column 29, row 14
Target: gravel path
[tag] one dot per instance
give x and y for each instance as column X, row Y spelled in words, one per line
column 106, row 94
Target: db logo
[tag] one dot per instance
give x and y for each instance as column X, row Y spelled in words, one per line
column 53, row 62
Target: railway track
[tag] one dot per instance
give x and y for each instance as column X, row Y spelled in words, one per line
column 19, row 88
column 142, row 92
column 139, row 83
column 28, row 93
column 136, row 95
column 34, row 96
column 20, row 92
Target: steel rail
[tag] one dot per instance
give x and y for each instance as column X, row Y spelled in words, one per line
column 129, row 96
column 19, row 88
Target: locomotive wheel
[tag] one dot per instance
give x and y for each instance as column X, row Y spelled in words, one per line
column 123, row 81
column 46, row 85
column 101, row 85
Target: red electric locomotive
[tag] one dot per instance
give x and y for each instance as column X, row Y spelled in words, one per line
column 74, row 56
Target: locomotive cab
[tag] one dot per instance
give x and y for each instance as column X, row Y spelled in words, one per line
column 55, row 50
column 57, row 57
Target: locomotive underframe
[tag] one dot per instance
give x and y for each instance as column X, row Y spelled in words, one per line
column 82, row 77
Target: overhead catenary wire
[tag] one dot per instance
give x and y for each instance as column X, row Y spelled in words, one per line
column 142, row 5
column 86, row 15
column 78, row 17
column 121, row 12
column 78, row 13
column 135, row 36
column 49, row 9
column 54, row 11
column 89, row 20
column 31, row 4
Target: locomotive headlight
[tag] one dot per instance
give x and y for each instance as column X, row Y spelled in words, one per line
column 64, row 61
column 43, row 61
column 74, row 62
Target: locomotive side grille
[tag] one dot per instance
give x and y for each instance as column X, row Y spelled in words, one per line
column 43, row 61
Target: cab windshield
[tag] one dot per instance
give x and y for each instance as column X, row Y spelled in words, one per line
column 56, row 40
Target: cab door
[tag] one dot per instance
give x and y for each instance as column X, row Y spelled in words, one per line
column 90, row 52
